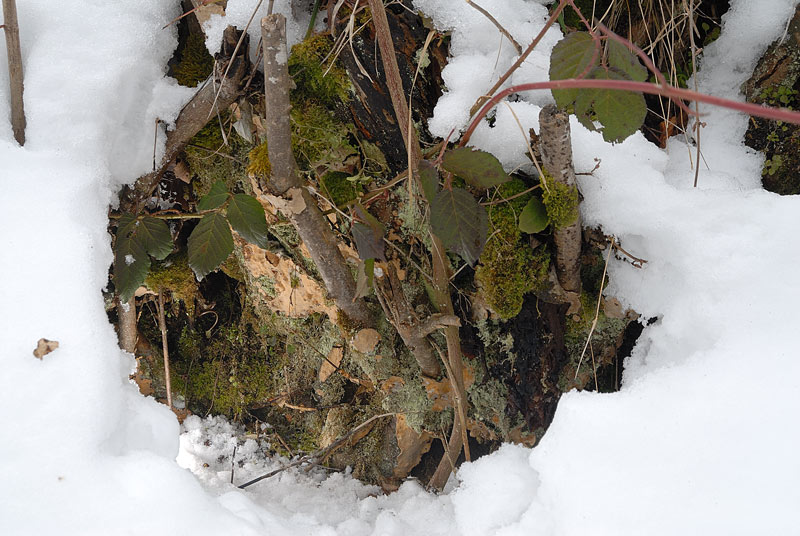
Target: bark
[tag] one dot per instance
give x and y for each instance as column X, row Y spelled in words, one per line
column 11, row 26
column 162, row 326
column 302, row 208
column 127, row 325
column 555, row 146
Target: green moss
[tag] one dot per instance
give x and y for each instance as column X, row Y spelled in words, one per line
column 231, row 373
column 336, row 186
column 196, row 63
column 308, row 71
column 211, row 160
column 175, row 276
column 561, row 202
column 319, row 139
column 259, row 164
column 509, row 268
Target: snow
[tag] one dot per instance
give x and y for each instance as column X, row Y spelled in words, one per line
column 701, row 439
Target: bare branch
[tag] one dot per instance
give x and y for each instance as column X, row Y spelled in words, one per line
column 15, row 76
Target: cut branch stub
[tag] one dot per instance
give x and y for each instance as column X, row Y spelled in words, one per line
column 555, row 145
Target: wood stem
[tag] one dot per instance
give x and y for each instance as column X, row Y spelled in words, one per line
column 285, row 180
column 162, row 325
column 15, row 77
column 126, row 313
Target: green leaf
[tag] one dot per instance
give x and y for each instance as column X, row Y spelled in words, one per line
column 131, row 264
column 209, row 244
column 460, row 222
column 153, row 234
column 248, row 219
column 214, row 198
column 429, row 177
column 478, row 168
column 569, row 59
column 620, row 112
column 625, row 61
column 534, row 217
column 126, row 225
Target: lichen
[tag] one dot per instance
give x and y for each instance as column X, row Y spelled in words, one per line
column 509, row 268
column 319, row 138
column 212, row 160
column 195, row 64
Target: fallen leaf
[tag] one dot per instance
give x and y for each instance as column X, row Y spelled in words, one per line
column 44, row 347
column 290, row 203
column 330, row 365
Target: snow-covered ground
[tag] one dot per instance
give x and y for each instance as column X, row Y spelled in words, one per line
column 701, row 439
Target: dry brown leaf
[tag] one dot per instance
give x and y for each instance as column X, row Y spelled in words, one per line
column 182, row 171
column 392, row 383
column 290, row 203
column 44, row 347
column 366, row 340
column 330, row 365
column 412, row 446
column 205, row 10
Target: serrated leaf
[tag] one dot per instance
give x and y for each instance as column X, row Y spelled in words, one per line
column 247, row 218
column 153, row 234
column 126, row 225
column 460, row 222
column 478, row 168
column 620, row 112
column 429, row 178
column 369, row 241
column 209, row 244
column 214, row 198
column 625, row 61
column 534, row 217
column 569, row 59
column 131, row 264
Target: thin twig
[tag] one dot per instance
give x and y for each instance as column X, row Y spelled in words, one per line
column 162, row 325
column 319, row 453
column 497, row 25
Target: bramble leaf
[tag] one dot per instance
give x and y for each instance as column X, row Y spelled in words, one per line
column 153, row 234
column 620, row 112
column 478, row 168
column 209, row 244
column 429, row 177
column 623, row 60
column 368, row 235
column 365, row 278
column 131, row 264
column 534, row 217
column 214, row 198
column 569, row 59
column 460, row 222
column 247, row 218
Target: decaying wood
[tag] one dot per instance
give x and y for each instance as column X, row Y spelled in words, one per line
column 441, row 265
column 15, row 77
column 285, row 180
column 555, row 146
column 197, row 112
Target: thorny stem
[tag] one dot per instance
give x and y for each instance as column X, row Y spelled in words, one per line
column 674, row 93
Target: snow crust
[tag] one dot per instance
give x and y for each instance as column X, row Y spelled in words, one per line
column 701, row 439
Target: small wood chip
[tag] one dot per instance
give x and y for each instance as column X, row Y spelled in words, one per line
column 366, row 340
column 44, row 347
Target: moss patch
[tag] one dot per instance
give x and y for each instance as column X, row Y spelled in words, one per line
column 509, row 268
column 308, row 62
column 196, row 63
column 561, row 202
